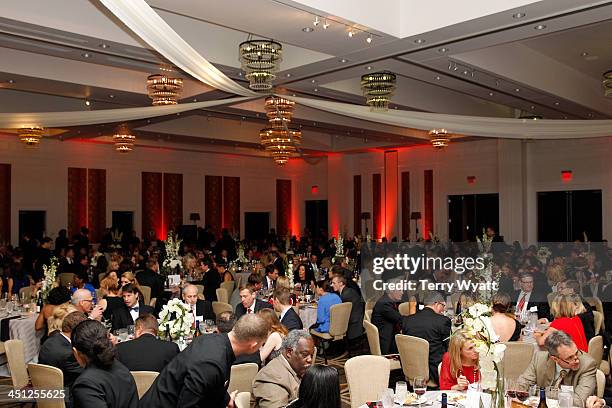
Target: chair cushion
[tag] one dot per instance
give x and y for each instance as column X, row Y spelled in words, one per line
column 325, row 336
column 605, row 367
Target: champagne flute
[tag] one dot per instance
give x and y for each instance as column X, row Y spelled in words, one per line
column 420, row 387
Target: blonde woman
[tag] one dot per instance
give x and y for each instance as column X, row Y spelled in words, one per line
column 459, row 363
column 555, row 274
column 565, row 310
column 190, row 266
column 57, row 318
column 272, row 347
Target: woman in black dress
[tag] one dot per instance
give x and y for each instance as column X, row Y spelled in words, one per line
column 105, row 382
column 504, row 323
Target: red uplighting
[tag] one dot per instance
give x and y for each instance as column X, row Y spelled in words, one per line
column 314, row 190
column 566, row 176
column 471, row 179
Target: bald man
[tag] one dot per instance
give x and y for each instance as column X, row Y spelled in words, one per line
column 201, row 309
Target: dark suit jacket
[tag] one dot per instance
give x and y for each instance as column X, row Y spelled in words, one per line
column 259, row 304
column 355, row 327
column 122, row 317
column 385, row 317
column 112, row 388
column 204, row 309
column 146, row 353
column 278, row 263
column 152, row 280
column 197, row 377
column 212, row 282
column 56, row 351
column 264, row 283
column 292, row 321
column 536, row 299
column 434, row 328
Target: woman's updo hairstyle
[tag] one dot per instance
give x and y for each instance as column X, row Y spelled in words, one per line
column 91, row 338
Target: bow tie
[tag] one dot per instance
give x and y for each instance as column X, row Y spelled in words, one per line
column 135, row 308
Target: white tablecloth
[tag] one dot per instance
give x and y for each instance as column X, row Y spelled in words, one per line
column 23, row 329
column 308, row 314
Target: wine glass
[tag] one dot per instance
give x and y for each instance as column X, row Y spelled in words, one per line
column 420, row 387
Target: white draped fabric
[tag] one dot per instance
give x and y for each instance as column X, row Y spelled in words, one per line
column 468, row 125
column 79, row 118
column 139, row 17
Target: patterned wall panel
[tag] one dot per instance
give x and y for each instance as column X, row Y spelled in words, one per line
column 428, row 217
column 357, row 205
column 231, row 204
column 96, row 203
column 283, row 207
column 5, row 202
column 77, row 199
column 152, row 205
column 213, row 198
column 173, row 201
column 376, row 206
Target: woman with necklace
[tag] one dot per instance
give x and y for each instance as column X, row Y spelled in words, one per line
column 459, row 364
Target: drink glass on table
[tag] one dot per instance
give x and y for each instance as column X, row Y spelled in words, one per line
column 552, row 397
column 401, row 391
column 510, row 385
column 419, row 387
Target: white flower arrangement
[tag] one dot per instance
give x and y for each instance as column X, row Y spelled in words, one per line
column 117, row 238
column 241, row 258
column 172, row 259
column 50, row 279
column 543, row 254
column 175, row 321
column 484, row 242
column 289, row 271
column 339, row 243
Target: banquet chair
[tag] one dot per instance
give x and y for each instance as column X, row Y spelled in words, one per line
column 414, row 357
column 65, row 278
column 241, row 377
column 146, row 293
column 518, row 354
column 144, row 380
column 101, row 276
column 222, row 295
column 45, row 377
column 367, row 316
column 601, row 383
column 407, row 308
column 243, row 400
column 367, row 378
column 229, row 287
column 25, row 292
column 153, row 302
column 200, row 289
column 370, row 304
column 596, row 349
column 220, row 307
column 598, row 318
column 15, row 357
column 595, row 302
column 374, row 343
column 338, row 325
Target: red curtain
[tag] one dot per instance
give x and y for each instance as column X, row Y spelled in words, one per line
column 77, row 199
column 357, row 205
column 213, row 197
column 173, row 202
column 96, row 203
column 5, row 202
column 152, row 205
column 283, row 207
column 231, row 204
column 376, row 206
column 405, row 205
column 428, row 219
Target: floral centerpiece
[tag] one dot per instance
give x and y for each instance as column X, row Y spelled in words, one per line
column 117, row 237
column 172, row 259
column 484, row 243
column 289, row 271
column 175, row 322
column 50, row 281
column 479, row 328
column 339, row 243
column 543, row 254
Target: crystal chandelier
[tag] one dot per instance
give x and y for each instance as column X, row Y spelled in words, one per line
column 439, row 138
column 164, row 90
column 30, row 136
column 607, row 83
column 124, row 140
column 279, row 139
column 378, row 88
column 260, row 60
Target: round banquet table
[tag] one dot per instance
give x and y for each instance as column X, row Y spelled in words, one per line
column 308, row 314
column 23, row 329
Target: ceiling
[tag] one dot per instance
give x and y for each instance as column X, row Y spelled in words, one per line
column 483, row 58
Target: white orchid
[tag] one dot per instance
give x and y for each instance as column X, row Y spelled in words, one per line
column 180, row 326
column 478, row 309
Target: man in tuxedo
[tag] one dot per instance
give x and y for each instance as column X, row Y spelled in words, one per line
column 150, row 277
column 355, row 326
column 313, row 266
column 278, row 263
column 249, row 304
column 527, row 298
column 269, row 281
column 43, row 257
column 146, row 352
column 68, row 263
column 212, row 280
column 387, row 319
column 282, row 304
column 201, row 309
column 133, row 308
column 430, row 324
column 198, row 376
column 56, row 351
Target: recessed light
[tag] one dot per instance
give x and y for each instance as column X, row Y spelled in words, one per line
column 540, row 27
column 104, row 45
column 288, row 75
column 518, row 15
column 442, row 50
column 308, row 29
column 465, row 72
column 491, row 94
column 419, row 41
column 351, row 34
column 343, row 60
column 556, row 103
column 240, row 73
column 532, row 107
column 11, row 81
column 316, row 89
column 111, row 96
column 368, row 68
column 437, row 77
column 86, row 55
column 313, row 81
column 195, row 99
column 369, row 39
column 584, row 54
column 517, row 89
column 87, row 102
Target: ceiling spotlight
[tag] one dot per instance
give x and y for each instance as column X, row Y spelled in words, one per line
column 111, row 96
column 11, row 81
column 556, row 103
column 325, row 25
column 240, row 73
column 517, row 89
column 540, row 27
column 288, row 75
column 368, row 68
column 316, row 89
column 532, row 107
column 104, row 45
column 307, row 29
column 584, row 54
column 87, row 102
column 419, row 41
column 455, row 68
column 195, row 99
column 518, row 15
column 437, row 77
column 316, row 22
column 443, row 50
column 465, row 72
column 351, row 33
column 343, row 60
column 86, row 55
column 491, row 94
column 313, row 81
column 369, row 39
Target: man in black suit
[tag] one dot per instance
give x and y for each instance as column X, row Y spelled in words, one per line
column 269, row 281
column 249, row 303
column 355, row 326
column 201, row 309
column 198, row 376
column 150, row 277
column 387, row 319
column 527, row 298
column 282, row 304
column 133, row 308
column 278, row 263
column 212, row 280
column 430, row 324
column 313, row 266
column 146, row 352
column 56, row 351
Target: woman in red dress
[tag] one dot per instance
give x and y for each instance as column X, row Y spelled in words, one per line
column 459, row 363
column 565, row 310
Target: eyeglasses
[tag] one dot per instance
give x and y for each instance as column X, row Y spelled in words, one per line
column 572, row 358
column 87, row 300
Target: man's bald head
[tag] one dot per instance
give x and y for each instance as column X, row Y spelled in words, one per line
column 82, row 300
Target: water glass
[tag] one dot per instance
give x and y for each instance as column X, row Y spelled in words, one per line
column 565, row 399
column 123, row 334
column 2, row 303
column 385, row 399
column 401, row 390
column 9, row 307
column 130, row 330
column 552, row 397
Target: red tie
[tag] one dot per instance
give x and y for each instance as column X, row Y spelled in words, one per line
column 249, row 311
column 522, row 302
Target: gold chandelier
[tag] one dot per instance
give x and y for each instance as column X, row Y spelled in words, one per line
column 164, row 90
column 378, row 88
column 260, row 60
column 439, row 138
column 279, row 140
column 607, row 83
column 30, row 136
column 124, row 140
